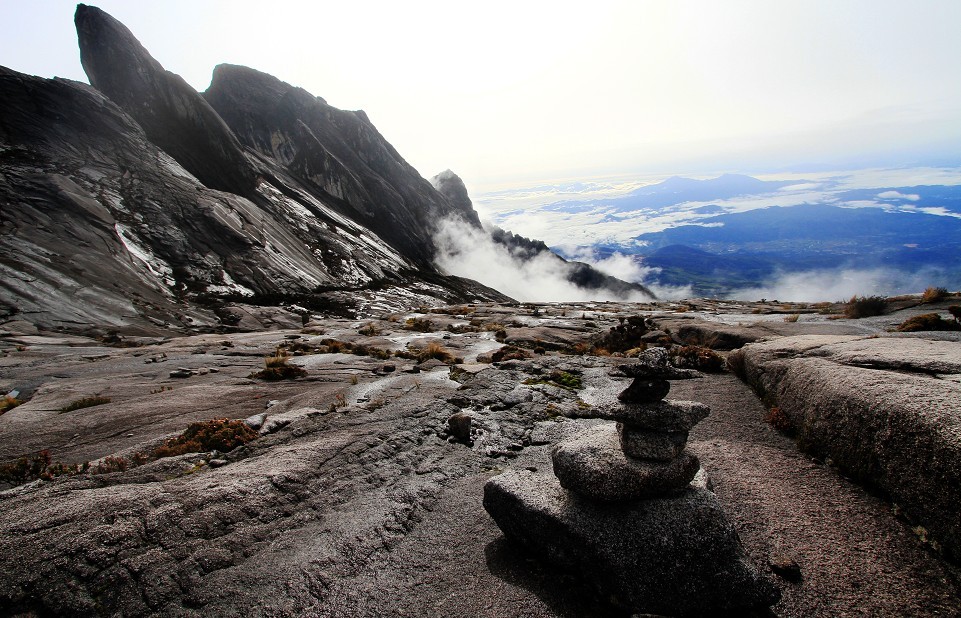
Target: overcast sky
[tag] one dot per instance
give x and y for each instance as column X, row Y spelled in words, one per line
column 505, row 92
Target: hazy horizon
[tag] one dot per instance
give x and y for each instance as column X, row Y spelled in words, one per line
column 507, row 94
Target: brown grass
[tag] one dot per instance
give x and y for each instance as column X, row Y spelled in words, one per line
column 8, row 403
column 219, row 434
column 777, row 419
column 85, row 402
column 934, row 294
column 927, row 322
column 865, row 306
column 276, row 368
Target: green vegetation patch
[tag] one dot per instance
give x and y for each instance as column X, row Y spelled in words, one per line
column 563, row 379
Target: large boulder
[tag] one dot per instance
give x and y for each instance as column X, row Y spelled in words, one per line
column 677, row 556
column 885, row 410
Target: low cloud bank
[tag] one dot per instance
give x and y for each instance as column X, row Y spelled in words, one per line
column 843, row 283
column 469, row 252
column 630, row 268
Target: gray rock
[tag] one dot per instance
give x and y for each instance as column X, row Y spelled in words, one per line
column 873, row 406
column 644, row 390
column 274, row 424
column 676, row 556
column 181, row 373
column 255, row 421
column 656, row 445
column 667, row 415
column 593, row 465
column 459, row 424
column 217, row 463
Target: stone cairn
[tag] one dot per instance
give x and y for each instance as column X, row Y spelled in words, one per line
column 621, row 510
column 646, row 455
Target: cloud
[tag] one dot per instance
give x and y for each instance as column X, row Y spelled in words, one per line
column 897, row 195
column 629, row 268
column 843, row 283
column 469, row 252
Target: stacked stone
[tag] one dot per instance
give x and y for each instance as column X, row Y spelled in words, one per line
column 644, row 456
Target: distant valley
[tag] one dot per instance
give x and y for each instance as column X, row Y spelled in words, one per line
column 734, row 234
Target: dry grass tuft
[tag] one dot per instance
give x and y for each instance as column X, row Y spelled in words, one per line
column 85, row 402
column 934, row 294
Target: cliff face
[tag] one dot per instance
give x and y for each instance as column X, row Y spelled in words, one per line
column 132, row 203
column 336, row 154
column 172, row 114
column 139, row 203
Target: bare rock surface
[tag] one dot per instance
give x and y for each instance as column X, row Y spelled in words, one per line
column 856, row 555
column 356, row 503
column 874, row 406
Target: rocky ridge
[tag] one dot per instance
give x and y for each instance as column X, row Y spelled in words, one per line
column 141, row 206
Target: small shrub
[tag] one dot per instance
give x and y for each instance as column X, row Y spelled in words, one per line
column 697, row 357
column 8, row 403
column 431, row 350
column 335, row 346
column 955, row 311
column 378, row 353
column 85, row 402
column 369, row 330
column 777, row 419
column 794, row 317
column 219, row 434
column 420, row 325
column 865, row 306
column 933, row 295
column 509, row 352
column 500, row 335
column 300, row 348
column 110, row 464
column 276, row 368
column 25, row 469
column 927, row 321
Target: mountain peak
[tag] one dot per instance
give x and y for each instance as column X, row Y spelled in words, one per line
column 173, row 115
column 453, row 188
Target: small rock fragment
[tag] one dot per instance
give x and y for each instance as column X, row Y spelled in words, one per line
column 785, row 566
column 459, row 424
column 255, row 421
